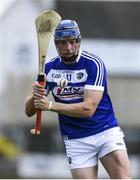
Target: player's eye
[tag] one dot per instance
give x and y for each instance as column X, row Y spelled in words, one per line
column 62, row 42
column 72, row 41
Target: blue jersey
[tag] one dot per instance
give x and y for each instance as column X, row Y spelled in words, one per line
column 88, row 72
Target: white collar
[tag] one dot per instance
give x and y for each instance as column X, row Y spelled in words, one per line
column 78, row 57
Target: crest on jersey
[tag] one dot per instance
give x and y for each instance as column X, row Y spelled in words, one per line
column 79, row 75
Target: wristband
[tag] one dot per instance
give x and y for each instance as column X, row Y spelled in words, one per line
column 50, row 105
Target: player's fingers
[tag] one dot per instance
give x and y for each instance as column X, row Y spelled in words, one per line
column 41, row 103
column 37, row 103
column 40, row 91
column 36, row 94
column 37, row 85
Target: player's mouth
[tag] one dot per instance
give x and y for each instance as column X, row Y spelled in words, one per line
column 68, row 55
column 69, row 59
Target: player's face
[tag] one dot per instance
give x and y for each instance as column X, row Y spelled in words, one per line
column 68, row 49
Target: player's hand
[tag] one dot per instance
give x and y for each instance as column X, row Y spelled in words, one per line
column 38, row 90
column 42, row 103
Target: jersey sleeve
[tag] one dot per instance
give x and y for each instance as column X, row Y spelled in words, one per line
column 96, row 75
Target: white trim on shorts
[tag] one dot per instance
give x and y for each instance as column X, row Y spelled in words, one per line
column 85, row 152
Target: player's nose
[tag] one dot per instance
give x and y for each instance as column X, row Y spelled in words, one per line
column 68, row 45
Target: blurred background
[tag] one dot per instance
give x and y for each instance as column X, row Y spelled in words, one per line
column 111, row 30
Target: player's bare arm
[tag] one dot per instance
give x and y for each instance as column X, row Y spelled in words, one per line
column 29, row 106
column 82, row 109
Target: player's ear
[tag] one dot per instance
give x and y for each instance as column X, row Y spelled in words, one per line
column 78, row 40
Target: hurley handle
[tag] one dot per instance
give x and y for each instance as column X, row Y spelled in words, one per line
column 37, row 128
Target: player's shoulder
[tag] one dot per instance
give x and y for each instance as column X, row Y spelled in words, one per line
column 91, row 57
column 53, row 61
column 52, row 64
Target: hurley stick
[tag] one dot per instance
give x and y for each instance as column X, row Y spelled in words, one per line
column 45, row 26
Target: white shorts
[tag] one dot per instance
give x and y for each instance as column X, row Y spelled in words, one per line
column 85, row 152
